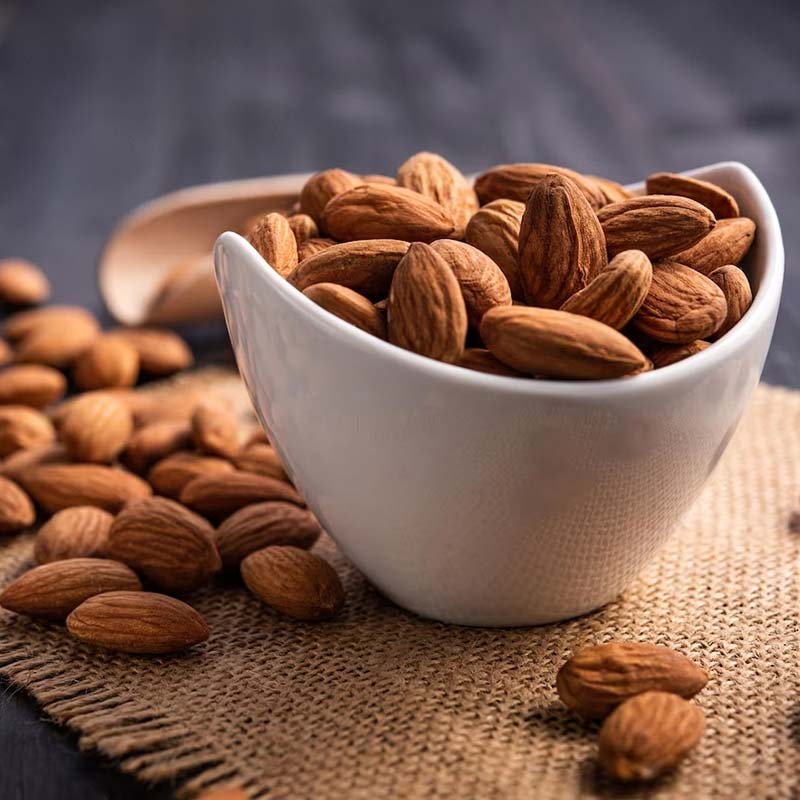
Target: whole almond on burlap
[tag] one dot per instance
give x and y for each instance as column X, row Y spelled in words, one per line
column 311, row 247
column 78, row 532
column 348, row 305
column 517, row 181
column 262, row 459
column 31, row 385
column 50, row 318
column 137, row 622
column 274, row 239
column 722, row 204
column 161, row 352
column 294, row 582
column 557, row 344
column 153, row 442
column 321, row 188
column 22, row 282
column 373, row 211
column 264, row 525
column 600, row 677
column 54, row 590
column 59, row 343
column 658, row 224
column 611, row 191
column 617, row 292
column 303, row 227
column 561, row 243
column 483, row 284
column 108, row 362
column 494, row 230
column 728, row 243
column 16, row 509
column 169, row 475
column 57, row 486
column 668, row 354
column 738, row 295
column 437, row 178
column 22, row 427
column 681, row 306
column 648, row 735
column 481, row 360
column 426, row 311
column 21, row 460
column 174, row 405
column 215, row 430
column 96, row 427
column 365, row 266
column 165, row 543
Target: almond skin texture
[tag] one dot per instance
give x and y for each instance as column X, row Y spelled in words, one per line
column 541, row 341
column 481, row 360
column 96, row 427
column 57, row 486
column 53, row 591
column 171, row 474
column 264, row 525
column 137, row 622
column 426, row 311
column 22, row 428
column 262, row 459
column 16, row 508
column 657, row 224
column 165, row 543
column 321, row 188
column 311, row 247
column 274, row 239
column 58, row 344
column 728, row 243
column 672, row 353
column 618, row 291
column 161, row 352
column 108, row 362
column 561, row 243
column 599, row 678
column 303, row 227
column 294, row 582
column 215, row 431
column 31, row 385
column 681, row 306
column 483, row 284
column 373, row 211
column 79, row 532
column 22, row 283
column 365, row 267
column 153, row 442
column 648, row 735
column 721, row 203
column 348, row 305
column 736, row 288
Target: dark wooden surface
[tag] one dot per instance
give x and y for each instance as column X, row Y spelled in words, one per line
column 106, row 104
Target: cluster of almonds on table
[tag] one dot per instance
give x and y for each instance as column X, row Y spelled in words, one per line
column 137, row 488
column 534, row 270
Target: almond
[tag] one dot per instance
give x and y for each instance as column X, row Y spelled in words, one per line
column 171, row 474
column 348, row 305
column 541, row 341
column 668, row 354
column 16, row 509
column 57, row 486
column 22, row 427
column 600, row 677
column 311, row 247
column 738, row 296
column 215, row 431
column 657, row 224
column 52, row 318
column 108, row 362
column 58, row 343
column 373, row 211
column 294, row 582
column 611, row 191
column 365, row 267
column 96, row 427
column 22, row 283
column 375, row 178
column 264, row 525
column 303, row 227
column 681, row 306
column 21, row 460
column 618, row 291
column 218, row 496
column 275, row 242
column 165, row 543
column 153, row 442
column 483, row 284
column 137, row 622
column 78, row 532
column 482, row 360
column 426, row 311
column 648, row 735
column 31, row 385
column 54, row 590
column 262, row 460
column 161, row 352
column 321, row 188
column 721, row 203
column 6, row 353
column 494, row 230
column 728, row 243
column 561, row 243
column 175, row 404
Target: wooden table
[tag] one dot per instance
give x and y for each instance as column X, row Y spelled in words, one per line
column 104, row 105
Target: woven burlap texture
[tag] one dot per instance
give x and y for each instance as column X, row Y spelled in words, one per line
column 381, row 704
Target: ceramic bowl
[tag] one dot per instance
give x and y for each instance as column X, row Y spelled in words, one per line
column 484, row 500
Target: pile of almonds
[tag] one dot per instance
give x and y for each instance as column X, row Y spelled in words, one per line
column 144, row 494
column 532, row 271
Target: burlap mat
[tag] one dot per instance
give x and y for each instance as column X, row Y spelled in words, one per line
column 381, row 704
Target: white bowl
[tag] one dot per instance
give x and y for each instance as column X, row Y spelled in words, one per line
column 485, row 500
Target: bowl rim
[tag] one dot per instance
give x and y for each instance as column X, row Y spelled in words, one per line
column 764, row 304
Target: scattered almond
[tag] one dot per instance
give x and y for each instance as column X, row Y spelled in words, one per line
column 59, row 342
column 161, row 352
column 108, row 362
column 31, row 385
column 16, row 509
column 261, row 459
column 22, row 460
column 171, row 474
column 96, row 427
column 215, row 431
column 155, row 441
column 22, row 283
column 52, row 318
column 78, row 532
column 22, row 427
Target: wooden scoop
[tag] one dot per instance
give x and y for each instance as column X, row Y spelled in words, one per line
column 157, row 267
